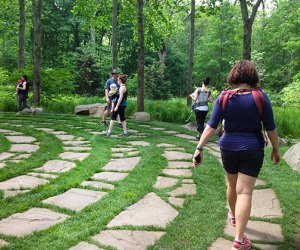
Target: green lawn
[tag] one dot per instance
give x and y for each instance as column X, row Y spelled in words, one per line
column 200, row 221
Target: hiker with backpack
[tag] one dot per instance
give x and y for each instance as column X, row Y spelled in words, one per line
column 244, row 109
column 201, row 96
column 22, row 92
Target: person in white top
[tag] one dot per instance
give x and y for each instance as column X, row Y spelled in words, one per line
column 201, row 96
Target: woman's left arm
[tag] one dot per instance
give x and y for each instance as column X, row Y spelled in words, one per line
column 122, row 91
column 24, row 86
column 210, row 98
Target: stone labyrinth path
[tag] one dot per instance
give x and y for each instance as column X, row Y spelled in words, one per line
column 59, row 174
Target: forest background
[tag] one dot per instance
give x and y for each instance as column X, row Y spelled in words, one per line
column 76, row 51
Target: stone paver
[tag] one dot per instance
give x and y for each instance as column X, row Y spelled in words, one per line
column 165, row 145
column 22, row 156
column 110, row 176
column 184, row 136
column 73, row 156
column 3, row 243
column 125, row 164
column 185, row 189
column 59, row 132
column 21, row 139
column 128, row 240
column 9, row 193
column 97, row 184
column 5, row 155
column 85, row 246
column 165, row 182
column 265, row 204
column 47, row 130
column 176, row 201
column 178, row 172
column 75, row 199
column 158, row 129
column 177, row 155
column 34, row 219
column 259, row 230
column 180, row 164
column 77, row 148
column 23, row 181
column 175, row 149
column 42, row 175
column 57, row 166
column 139, row 143
column 260, row 182
column 145, row 126
column 171, row 132
column 122, row 155
column 188, row 181
column 149, row 211
column 28, row 148
column 214, row 153
column 121, row 150
column 65, row 137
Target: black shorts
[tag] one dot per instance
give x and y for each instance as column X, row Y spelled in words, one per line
column 245, row 162
column 120, row 112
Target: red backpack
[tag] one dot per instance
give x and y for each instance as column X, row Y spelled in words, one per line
column 258, row 99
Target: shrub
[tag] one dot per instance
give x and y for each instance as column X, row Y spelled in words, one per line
column 290, row 94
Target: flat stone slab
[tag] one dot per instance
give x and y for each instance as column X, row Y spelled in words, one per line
column 75, row 199
column 97, row 184
column 128, row 240
column 22, row 156
column 259, row 230
column 20, row 139
column 75, row 143
column 177, row 155
column 221, row 244
column 85, row 246
column 292, row 157
column 180, row 164
column 139, row 143
column 158, row 129
column 260, row 182
column 34, row 219
column 42, row 175
column 149, row 211
column 47, row 130
column 28, row 148
column 121, row 150
column 125, row 164
column 165, row 182
column 175, row 149
column 9, row 193
column 2, row 165
column 77, row 148
column 22, row 182
column 214, row 153
column 5, row 155
column 122, row 155
column 65, row 137
column 110, row 176
column 171, row 132
column 188, row 181
column 57, row 166
column 74, row 156
column 145, row 126
column 165, row 145
column 59, row 132
column 176, row 201
column 265, row 204
column 178, row 172
column 184, row 136
column 185, row 189
column 3, row 243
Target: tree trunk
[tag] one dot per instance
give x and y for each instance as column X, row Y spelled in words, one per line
column 21, row 60
column 76, row 35
column 162, row 53
column 92, row 37
column 248, row 22
column 37, row 12
column 115, row 34
column 140, row 94
column 191, row 53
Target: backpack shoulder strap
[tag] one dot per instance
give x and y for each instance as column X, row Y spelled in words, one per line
column 225, row 95
column 258, row 99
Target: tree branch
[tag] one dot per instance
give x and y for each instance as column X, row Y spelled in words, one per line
column 254, row 10
column 244, row 10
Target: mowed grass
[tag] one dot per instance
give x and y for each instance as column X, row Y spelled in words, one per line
column 200, row 221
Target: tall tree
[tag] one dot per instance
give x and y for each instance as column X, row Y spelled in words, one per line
column 141, row 57
column 37, row 17
column 115, row 33
column 191, row 53
column 248, row 23
column 21, row 59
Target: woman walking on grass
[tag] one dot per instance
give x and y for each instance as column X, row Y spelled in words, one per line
column 119, row 103
column 242, row 144
column 22, row 92
column 202, row 96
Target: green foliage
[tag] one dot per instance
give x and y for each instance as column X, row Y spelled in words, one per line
column 131, row 85
column 291, row 93
column 157, row 87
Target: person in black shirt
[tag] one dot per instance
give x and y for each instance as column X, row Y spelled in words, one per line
column 22, row 92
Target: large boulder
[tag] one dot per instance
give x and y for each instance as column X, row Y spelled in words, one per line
column 292, row 157
column 33, row 110
column 141, row 116
column 95, row 109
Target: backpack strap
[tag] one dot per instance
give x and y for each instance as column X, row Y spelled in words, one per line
column 258, row 99
column 225, row 96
